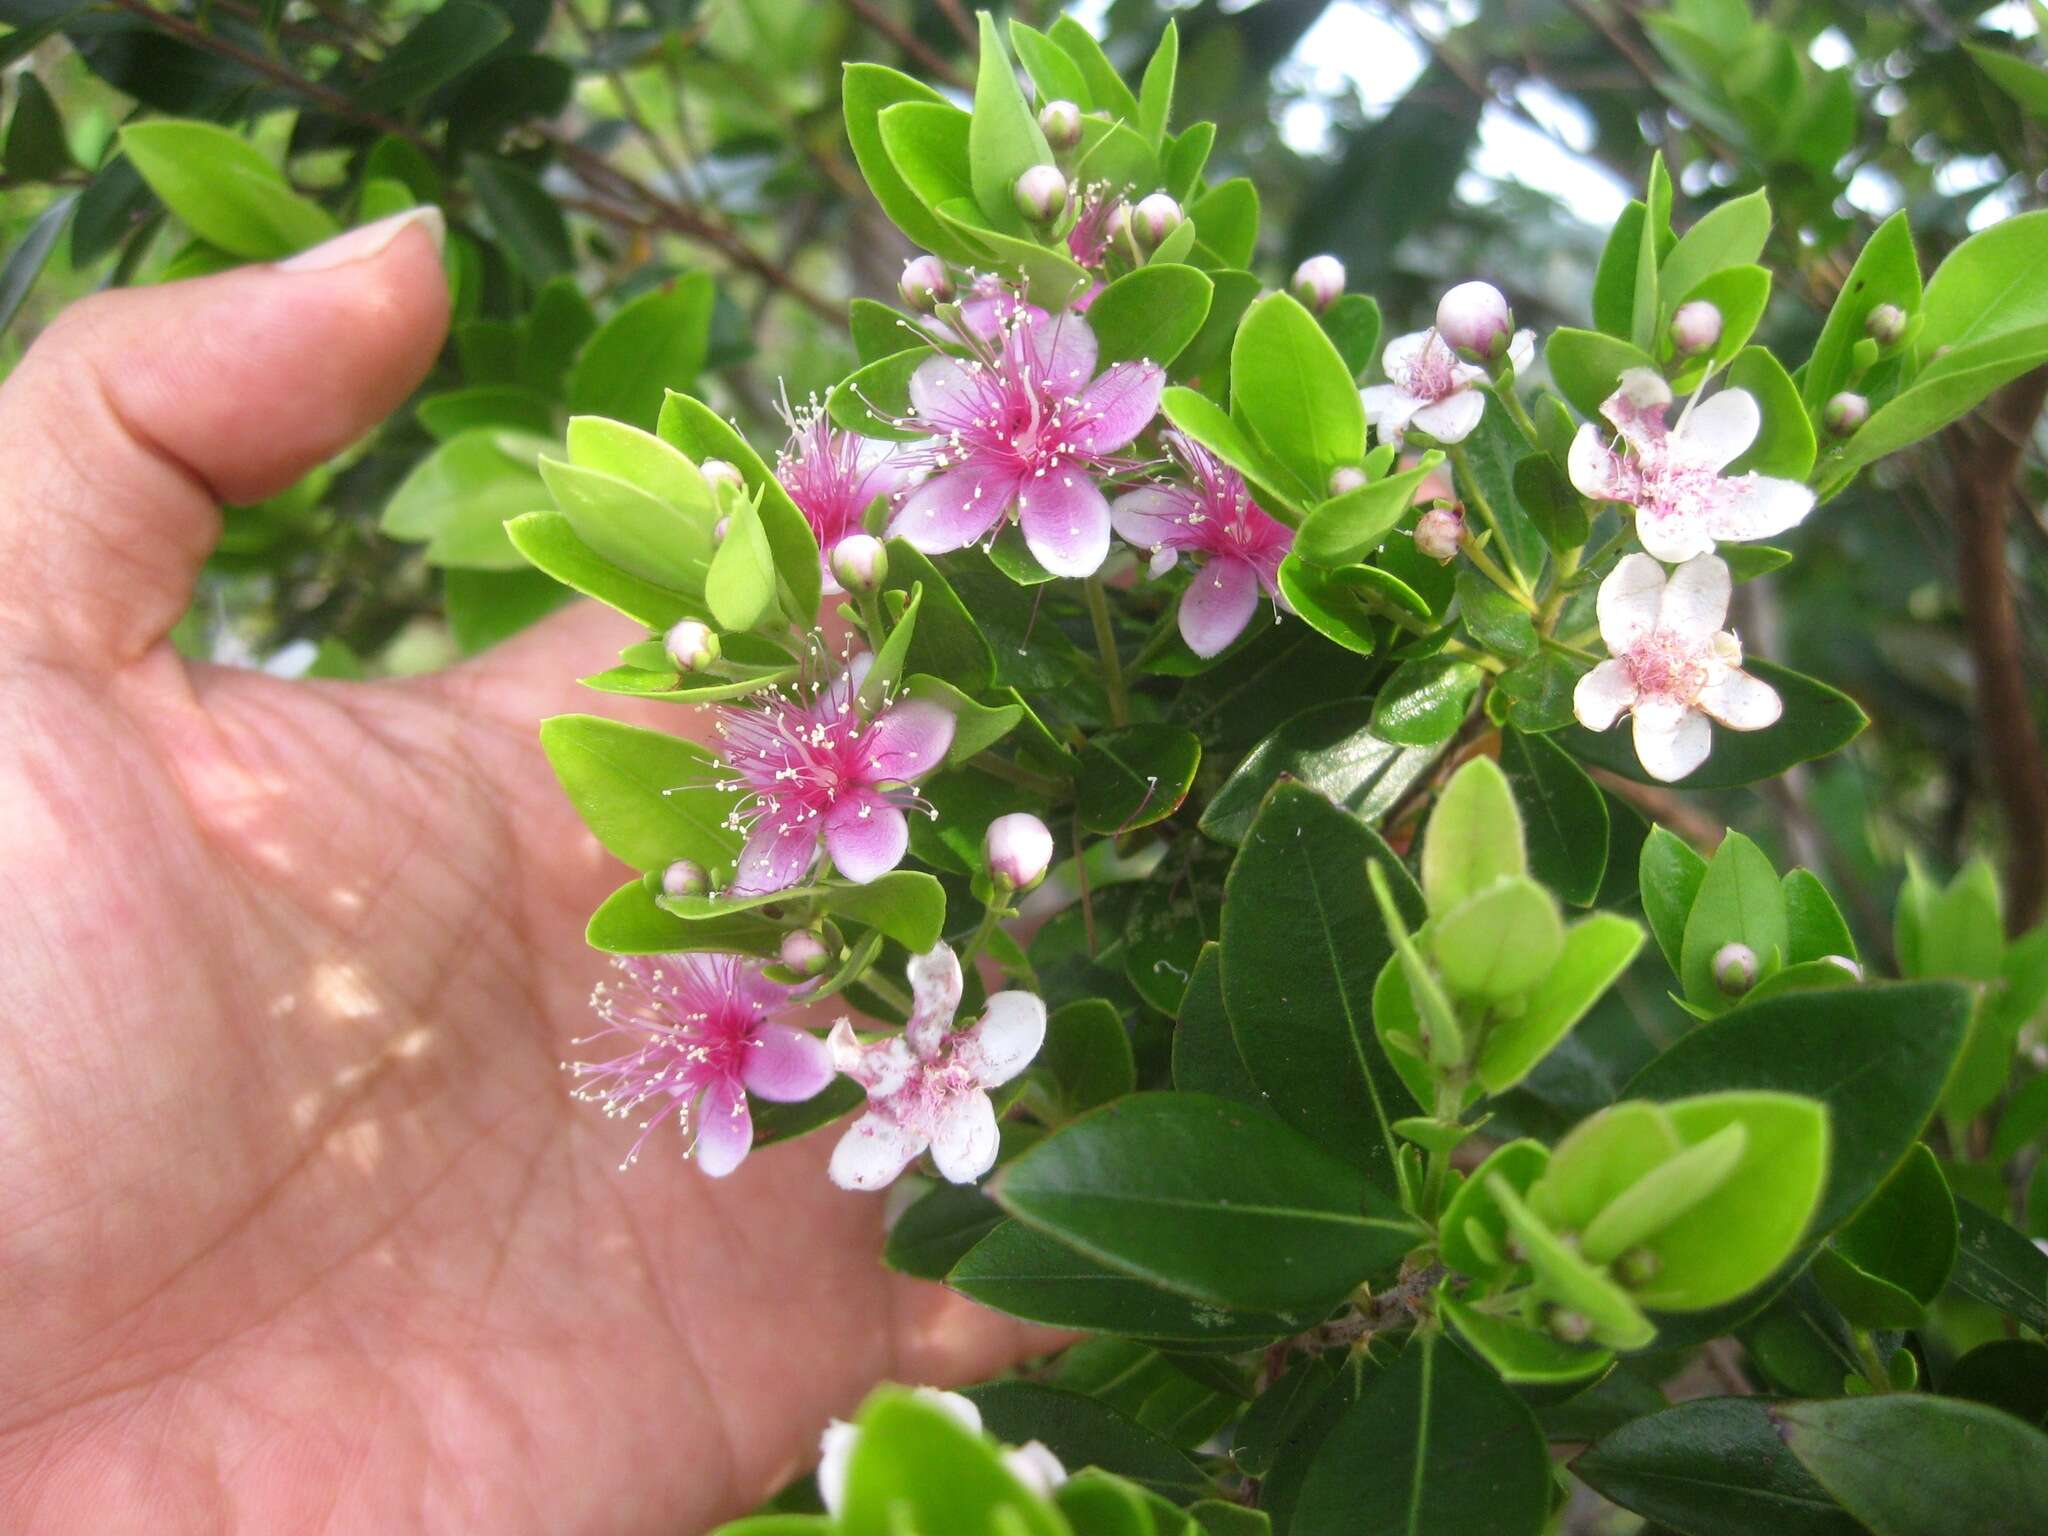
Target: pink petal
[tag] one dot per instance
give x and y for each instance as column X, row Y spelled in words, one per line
column 1522, row 352
column 964, row 1146
column 1717, row 432
column 1742, row 702
column 872, row 1152
column 1118, row 406
column 1695, row 600
column 865, row 835
column 1602, row 695
column 1637, row 410
column 1401, row 353
column 779, row 853
column 1063, row 346
column 786, row 1065
column 1218, row 604
column 1755, row 507
column 1628, row 602
column 1065, row 521
column 881, row 469
column 953, row 509
column 725, row 1129
column 907, row 740
column 946, row 391
column 1153, row 517
column 1453, row 418
column 1671, row 740
column 881, row 1067
column 1010, row 1031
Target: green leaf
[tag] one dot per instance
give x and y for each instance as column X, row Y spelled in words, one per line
column 1818, row 720
column 739, row 586
column 976, row 727
column 2006, row 1373
column 906, row 904
column 459, row 497
column 1027, row 1274
column 1499, row 943
column 1082, row 1431
column 1332, row 603
column 223, row 188
column 1195, row 1193
column 1969, row 1470
column 1732, row 235
column 547, row 540
column 1351, row 526
column 1087, row 1055
column 26, row 261
column 2025, row 82
column 1217, row 1518
column 1886, row 272
column 1474, row 837
column 631, row 922
column 1990, row 284
column 438, row 48
column 1333, row 751
column 646, row 462
column 1134, row 776
column 1596, row 953
column 1552, row 504
column 647, row 796
column 1437, row 1446
column 1563, row 812
column 1539, row 692
column 1226, row 219
column 656, row 343
column 1999, row 1267
column 528, row 220
column 1813, row 924
column 1569, row 1280
column 1741, row 294
column 915, row 1467
column 1105, row 85
column 36, row 147
column 1003, row 139
column 1425, row 701
column 637, row 530
column 1151, row 313
column 1739, row 902
column 1155, row 91
column 1209, row 424
column 1614, row 282
column 1650, row 252
column 1055, row 76
column 1205, row 1057
column 1785, row 444
column 1353, row 325
column 940, row 1229
column 1670, row 876
column 865, row 91
column 1303, row 944
column 1712, row 1467
column 1519, row 1354
column 1587, row 366
column 1295, row 391
column 485, row 406
column 1886, row 1267
column 484, row 607
column 948, row 643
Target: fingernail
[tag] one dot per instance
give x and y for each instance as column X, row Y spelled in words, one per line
column 361, row 244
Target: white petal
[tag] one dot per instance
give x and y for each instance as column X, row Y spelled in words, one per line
column 964, row 1146
column 1593, row 465
column 1453, row 418
column 1673, row 537
column 935, row 986
column 1628, row 602
column 1671, row 743
column 961, row 1408
column 1695, row 602
column 1035, row 1467
column 1602, row 695
column 1717, row 432
column 1011, row 1030
column 1389, row 408
column 835, row 1455
column 1742, row 702
column 1401, row 353
column 1522, row 352
column 872, row 1152
column 1755, row 507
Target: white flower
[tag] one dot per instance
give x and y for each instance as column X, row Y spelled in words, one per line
column 1430, row 389
column 928, row 1087
column 1031, row 1463
column 1672, row 475
column 1672, row 665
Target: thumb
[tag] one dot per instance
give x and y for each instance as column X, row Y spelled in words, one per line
column 138, row 411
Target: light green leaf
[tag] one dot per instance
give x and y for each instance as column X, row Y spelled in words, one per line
column 865, row 91
column 1151, row 313
column 223, row 188
column 551, row 545
column 1739, row 902
column 459, row 497
column 1597, row 951
column 648, row 796
column 1003, row 138
column 1294, row 390
column 1732, row 235
column 1498, row 943
column 632, row 528
column 739, row 586
column 656, row 343
column 1474, row 837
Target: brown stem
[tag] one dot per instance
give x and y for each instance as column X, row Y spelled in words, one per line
column 913, row 45
column 1987, row 452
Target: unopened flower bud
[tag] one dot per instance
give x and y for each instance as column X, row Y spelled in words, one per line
column 1346, row 479
column 720, row 529
column 1155, row 217
column 719, row 474
column 1734, row 968
column 1319, row 282
column 1439, row 532
column 1696, row 328
column 691, row 646
column 1845, row 965
column 1018, row 849
column 1118, row 225
column 1844, row 413
column 1060, row 122
column 1569, row 1326
column 684, row 878
column 1638, row 1267
column 804, row 952
column 1885, row 325
column 1474, row 319
column 925, row 283
column 860, row 563
column 1041, row 194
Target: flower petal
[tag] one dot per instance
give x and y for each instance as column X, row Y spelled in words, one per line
column 1453, row 418
column 1522, row 352
column 1389, row 408
column 880, row 468
column 784, row 1064
column 1063, row 347
column 1695, row 600
column 1716, row 432
column 1065, row 521
column 1401, row 353
column 1218, row 604
column 1637, row 410
column 946, row 392
column 1755, row 507
column 1670, row 743
column 1153, row 517
column 1628, row 601
column 881, row 1067
column 1118, row 406
column 908, row 739
column 725, row 1129
column 1673, row 536
column 872, row 1152
column 779, row 853
column 935, row 987
column 1742, row 702
column 1602, row 695
column 964, row 1145
column 961, row 1408
column 1011, row 1029
column 1596, row 470
column 954, row 508
column 835, row 1456
column 865, row 835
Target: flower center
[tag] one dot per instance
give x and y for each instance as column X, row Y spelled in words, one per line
column 1663, row 665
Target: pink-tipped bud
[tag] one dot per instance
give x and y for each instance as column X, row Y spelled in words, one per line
column 860, row 563
column 1018, row 849
column 721, row 474
column 1060, row 122
column 1844, row 413
column 925, row 284
column 1439, row 533
column 691, row 646
column 1041, row 194
column 1346, row 480
column 683, row 878
column 1734, row 969
column 1696, row 328
column 720, row 529
column 1845, row 965
column 1155, row 217
column 804, row 952
column 1474, row 319
column 1319, row 282
column 1885, row 325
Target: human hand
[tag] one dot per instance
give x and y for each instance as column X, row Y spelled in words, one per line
column 299, row 1228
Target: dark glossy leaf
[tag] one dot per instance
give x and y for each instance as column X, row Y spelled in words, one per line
column 1670, row 874
column 36, row 148
column 1332, row 750
column 1893, row 1258
column 934, row 1234
column 1085, row 1433
column 1425, row 701
column 26, row 261
column 2006, row 1373
column 1087, row 1055
column 527, row 219
column 1205, row 1057
column 949, row 642
column 1135, row 775
column 1999, row 1267
column 440, row 46
column 1907, row 1464
column 1564, row 815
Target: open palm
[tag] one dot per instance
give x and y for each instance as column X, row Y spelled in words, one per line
column 298, row 1228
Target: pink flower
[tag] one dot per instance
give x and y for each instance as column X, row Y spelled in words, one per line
column 1027, row 426
column 1095, row 228
column 1671, row 664
column 816, row 771
column 1430, row 389
column 928, row 1087
column 832, row 476
column 699, row 1034
column 1672, row 476
column 991, row 305
column 1214, row 517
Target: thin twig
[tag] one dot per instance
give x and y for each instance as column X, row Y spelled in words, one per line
column 907, row 40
